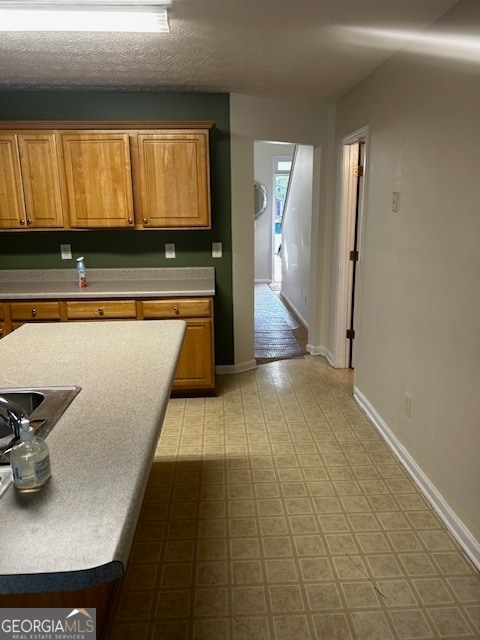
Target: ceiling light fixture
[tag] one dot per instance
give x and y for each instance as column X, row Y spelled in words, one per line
column 104, row 15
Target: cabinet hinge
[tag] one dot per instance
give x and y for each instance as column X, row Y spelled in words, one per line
column 354, row 256
column 358, row 171
column 350, row 334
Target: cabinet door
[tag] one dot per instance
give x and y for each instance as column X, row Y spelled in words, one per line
column 2, row 318
column 12, row 206
column 195, row 367
column 98, row 179
column 41, row 180
column 172, row 179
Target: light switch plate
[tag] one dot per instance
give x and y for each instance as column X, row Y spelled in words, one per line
column 216, row 249
column 170, row 250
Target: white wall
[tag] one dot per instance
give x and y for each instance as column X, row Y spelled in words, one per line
column 418, row 318
column 264, row 154
column 296, row 234
column 262, row 119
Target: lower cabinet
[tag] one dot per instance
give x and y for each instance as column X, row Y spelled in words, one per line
column 196, row 367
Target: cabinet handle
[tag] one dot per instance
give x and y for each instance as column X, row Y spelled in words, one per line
column 177, row 310
column 22, row 221
column 145, row 221
column 100, row 311
column 130, row 221
column 29, row 221
column 34, row 313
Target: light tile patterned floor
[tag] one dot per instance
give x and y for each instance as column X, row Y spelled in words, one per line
column 276, row 511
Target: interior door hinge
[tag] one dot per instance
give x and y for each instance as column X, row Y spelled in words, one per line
column 358, row 171
column 354, row 256
column 350, row 334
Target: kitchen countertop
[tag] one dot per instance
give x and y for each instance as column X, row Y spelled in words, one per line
column 18, row 284
column 77, row 531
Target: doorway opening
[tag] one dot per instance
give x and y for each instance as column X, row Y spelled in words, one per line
column 280, row 328
column 281, row 179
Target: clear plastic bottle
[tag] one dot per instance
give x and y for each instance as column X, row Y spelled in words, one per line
column 82, row 277
column 30, row 460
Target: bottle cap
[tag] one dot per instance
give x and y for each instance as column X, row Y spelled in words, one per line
column 26, row 431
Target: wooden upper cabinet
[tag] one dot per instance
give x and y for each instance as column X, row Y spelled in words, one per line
column 12, row 205
column 172, row 179
column 98, row 175
column 41, row 179
column 30, row 193
column 98, row 179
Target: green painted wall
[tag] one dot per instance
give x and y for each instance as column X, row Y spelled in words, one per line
column 125, row 248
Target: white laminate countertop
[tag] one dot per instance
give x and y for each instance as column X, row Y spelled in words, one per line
column 18, row 284
column 77, row 531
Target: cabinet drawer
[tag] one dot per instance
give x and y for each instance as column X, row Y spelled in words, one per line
column 97, row 309
column 35, row 310
column 178, row 308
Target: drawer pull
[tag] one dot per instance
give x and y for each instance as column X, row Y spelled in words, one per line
column 22, row 221
column 34, row 313
column 177, row 310
column 130, row 221
column 29, row 221
column 100, row 311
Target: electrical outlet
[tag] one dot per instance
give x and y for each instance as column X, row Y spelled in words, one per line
column 217, row 249
column 407, row 405
column 170, row 250
column 66, row 251
column 395, row 201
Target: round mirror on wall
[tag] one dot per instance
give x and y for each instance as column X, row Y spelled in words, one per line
column 260, row 199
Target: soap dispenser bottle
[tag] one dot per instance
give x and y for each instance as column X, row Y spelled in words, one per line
column 82, row 276
column 29, row 460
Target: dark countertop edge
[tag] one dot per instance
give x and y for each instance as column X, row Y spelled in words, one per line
column 60, row 581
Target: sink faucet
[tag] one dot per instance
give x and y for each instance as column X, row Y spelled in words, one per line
column 11, row 415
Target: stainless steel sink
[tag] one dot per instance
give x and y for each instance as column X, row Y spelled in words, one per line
column 43, row 406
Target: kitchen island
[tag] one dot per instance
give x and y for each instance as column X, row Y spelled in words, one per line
column 76, row 533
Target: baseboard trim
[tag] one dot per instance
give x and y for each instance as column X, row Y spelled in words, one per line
column 291, row 307
column 454, row 524
column 314, row 350
column 229, row 369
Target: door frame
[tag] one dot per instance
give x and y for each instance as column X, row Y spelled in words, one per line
column 346, row 231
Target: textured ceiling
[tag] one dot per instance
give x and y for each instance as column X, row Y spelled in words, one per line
column 281, row 49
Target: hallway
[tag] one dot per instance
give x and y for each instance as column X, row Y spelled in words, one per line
column 278, row 333
column 275, row 511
